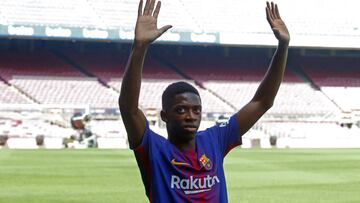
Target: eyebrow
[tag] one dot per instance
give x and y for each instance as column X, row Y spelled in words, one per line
column 184, row 105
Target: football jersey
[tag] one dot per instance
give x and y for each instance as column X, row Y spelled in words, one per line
column 172, row 175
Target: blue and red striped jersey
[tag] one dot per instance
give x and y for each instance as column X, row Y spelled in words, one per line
column 171, row 175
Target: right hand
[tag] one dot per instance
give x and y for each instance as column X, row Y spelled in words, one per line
column 146, row 30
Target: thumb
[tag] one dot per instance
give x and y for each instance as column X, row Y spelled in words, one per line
column 164, row 29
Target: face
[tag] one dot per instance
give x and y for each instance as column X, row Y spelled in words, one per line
column 183, row 116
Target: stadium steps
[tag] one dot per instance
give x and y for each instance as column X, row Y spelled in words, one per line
column 69, row 61
column 81, row 69
column 170, row 65
column 222, row 99
column 188, row 77
column 301, row 73
column 20, row 91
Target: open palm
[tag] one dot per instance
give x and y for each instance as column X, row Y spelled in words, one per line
column 277, row 24
column 146, row 30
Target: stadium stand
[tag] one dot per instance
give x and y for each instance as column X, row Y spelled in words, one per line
column 110, row 14
column 225, row 77
column 65, row 13
column 151, row 91
column 332, row 71
column 293, row 98
column 346, row 97
column 106, row 14
column 10, row 95
column 122, row 14
column 206, row 63
column 34, row 63
column 43, row 83
column 106, row 64
column 68, row 90
column 337, row 77
column 115, row 13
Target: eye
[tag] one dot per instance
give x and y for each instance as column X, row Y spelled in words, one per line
column 197, row 110
column 180, row 110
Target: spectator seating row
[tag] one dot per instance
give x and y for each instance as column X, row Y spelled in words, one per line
column 347, row 98
column 36, row 63
column 292, row 98
column 332, row 71
column 67, row 90
column 151, row 92
column 199, row 16
column 228, row 80
column 10, row 95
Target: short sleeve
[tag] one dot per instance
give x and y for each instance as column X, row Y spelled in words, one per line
column 227, row 134
column 150, row 141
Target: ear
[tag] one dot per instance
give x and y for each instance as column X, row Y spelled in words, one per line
column 163, row 116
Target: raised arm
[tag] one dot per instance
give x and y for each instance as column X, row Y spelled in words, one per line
column 146, row 31
column 269, row 86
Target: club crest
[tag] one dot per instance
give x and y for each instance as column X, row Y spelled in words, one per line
column 206, row 162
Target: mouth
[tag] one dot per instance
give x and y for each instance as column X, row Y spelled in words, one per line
column 190, row 128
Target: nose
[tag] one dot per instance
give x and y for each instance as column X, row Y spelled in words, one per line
column 191, row 116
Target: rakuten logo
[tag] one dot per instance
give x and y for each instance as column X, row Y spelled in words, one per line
column 194, row 185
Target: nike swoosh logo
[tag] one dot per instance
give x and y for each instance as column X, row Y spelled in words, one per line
column 188, row 192
column 179, row 163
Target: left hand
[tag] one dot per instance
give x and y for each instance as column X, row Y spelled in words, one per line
column 277, row 24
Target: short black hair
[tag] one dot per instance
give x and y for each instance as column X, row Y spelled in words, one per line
column 174, row 89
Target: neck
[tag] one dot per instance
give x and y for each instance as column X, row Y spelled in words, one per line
column 183, row 145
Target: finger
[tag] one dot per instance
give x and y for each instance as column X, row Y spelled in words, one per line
column 147, row 6
column 268, row 16
column 277, row 14
column 140, row 8
column 268, row 11
column 267, row 5
column 164, row 29
column 151, row 9
column 273, row 10
column 157, row 9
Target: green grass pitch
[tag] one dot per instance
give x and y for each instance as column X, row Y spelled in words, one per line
column 109, row 176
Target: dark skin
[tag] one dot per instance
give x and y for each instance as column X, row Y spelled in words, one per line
column 182, row 124
column 182, row 119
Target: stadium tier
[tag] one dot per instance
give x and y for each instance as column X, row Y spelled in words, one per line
column 204, row 63
column 97, row 63
column 10, row 95
column 337, row 77
column 293, row 98
column 346, row 97
column 36, row 63
column 106, row 64
column 227, row 79
column 201, row 21
column 43, row 87
column 332, row 71
column 151, row 91
column 113, row 13
column 75, row 91
column 66, row 13
column 106, row 14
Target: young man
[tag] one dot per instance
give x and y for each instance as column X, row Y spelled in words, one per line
column 188, row 166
